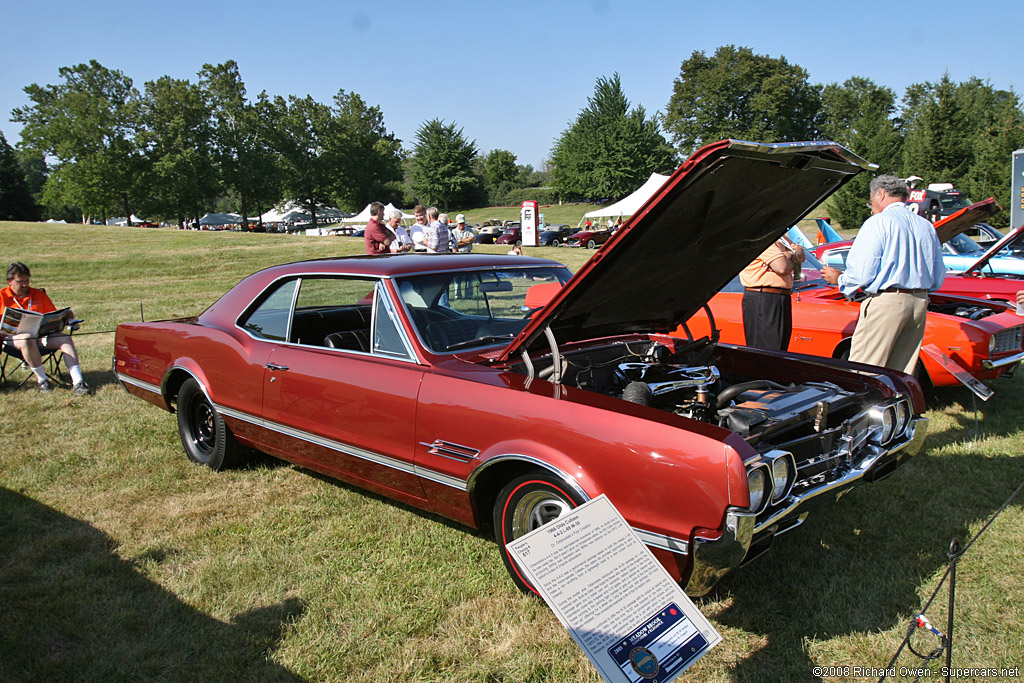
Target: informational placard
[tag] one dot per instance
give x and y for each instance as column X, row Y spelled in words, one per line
column 616, row 600
column 960, row 372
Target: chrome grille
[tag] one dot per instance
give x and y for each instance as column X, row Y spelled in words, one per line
column 1008, row 341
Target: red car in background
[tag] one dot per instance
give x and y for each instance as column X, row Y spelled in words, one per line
column 591, row 239
column 513, row 234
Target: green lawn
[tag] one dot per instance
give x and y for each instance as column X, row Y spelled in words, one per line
column 120, row 560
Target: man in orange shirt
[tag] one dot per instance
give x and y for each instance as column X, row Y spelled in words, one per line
column 18, row 294
column 767, row 286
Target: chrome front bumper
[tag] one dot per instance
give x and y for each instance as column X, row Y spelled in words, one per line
column 713, row 559
column 989, row 364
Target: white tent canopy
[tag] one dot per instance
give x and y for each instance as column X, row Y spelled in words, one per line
column 631, row 204
column 364, row 215
column 296, row 213
column 135, row 220
column 220, row 219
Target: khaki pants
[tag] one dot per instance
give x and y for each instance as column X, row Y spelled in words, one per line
column 890, row 330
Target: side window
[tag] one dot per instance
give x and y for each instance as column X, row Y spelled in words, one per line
column 387, row 339
column 269, row 320
column 334, row 312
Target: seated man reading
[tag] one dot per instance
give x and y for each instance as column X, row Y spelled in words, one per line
column 18, row 294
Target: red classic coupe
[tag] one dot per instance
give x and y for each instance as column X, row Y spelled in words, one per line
column 437, row 380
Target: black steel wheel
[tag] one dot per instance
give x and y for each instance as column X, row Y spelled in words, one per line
column 526, row 503
column 207, row 440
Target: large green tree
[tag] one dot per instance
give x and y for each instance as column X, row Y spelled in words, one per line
column 371, row 160
column 440, row 169
column 303, row 132
column 937, row 145
column 861, row 115
column 177, row 133
column 16, row 201
column 248, row 166
column 964, row 134
column 89, row 123
column 738, row 94
column 501, row 175
column 610, row 149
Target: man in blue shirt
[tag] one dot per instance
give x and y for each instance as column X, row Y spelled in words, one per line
column 896, row 261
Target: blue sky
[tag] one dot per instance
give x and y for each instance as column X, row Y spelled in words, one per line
column 513, row 75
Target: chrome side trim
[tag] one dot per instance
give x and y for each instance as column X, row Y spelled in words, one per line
column 450, row 450
column 145, row 386
column 353, row 451
column 990, row 364
column 569, row 481
column 662, row 541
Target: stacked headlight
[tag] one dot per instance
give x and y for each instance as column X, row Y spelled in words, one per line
column 883, row 423
column 783, row 469
column 902, row 416
column 890, row 421
column 759, row 484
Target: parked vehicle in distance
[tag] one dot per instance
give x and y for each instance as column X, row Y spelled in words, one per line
column 512, row 234
column 554, row 235
column 445, row 382
column 937, row 201
column 487, row 234
column 591, row 239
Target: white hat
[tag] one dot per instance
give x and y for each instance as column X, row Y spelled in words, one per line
column 461, row 218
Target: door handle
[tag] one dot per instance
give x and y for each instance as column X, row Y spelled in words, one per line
column 274, row 366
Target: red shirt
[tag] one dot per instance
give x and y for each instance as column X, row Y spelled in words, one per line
column 36, row 300
column 374, row 236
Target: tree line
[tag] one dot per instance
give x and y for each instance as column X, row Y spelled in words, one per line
column 93, row 145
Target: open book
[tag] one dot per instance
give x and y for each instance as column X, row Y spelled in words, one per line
column 20, row 321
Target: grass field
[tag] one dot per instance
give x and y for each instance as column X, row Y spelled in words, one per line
column 120, row 560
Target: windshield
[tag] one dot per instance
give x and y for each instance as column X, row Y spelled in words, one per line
column 468, row 309
column 962, row 244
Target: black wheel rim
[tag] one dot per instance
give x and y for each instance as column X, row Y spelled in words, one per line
column 204, row 428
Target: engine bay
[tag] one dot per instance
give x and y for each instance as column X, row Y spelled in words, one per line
column 689, row 380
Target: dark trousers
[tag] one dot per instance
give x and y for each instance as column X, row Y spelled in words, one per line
column 767, row 320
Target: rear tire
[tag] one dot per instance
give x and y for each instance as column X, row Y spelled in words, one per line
column 207, row 440
column 527, row 503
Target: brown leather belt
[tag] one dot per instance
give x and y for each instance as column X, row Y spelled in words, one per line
column 769, row 290
column 901, row 290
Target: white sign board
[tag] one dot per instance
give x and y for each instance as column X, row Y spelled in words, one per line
column 616, row 600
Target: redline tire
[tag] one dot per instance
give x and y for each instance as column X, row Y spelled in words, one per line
column 524, row 504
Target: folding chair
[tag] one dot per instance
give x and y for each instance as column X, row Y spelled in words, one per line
column 13, row 366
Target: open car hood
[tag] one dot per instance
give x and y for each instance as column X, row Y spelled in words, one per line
column 954, row 224
column 712, row 217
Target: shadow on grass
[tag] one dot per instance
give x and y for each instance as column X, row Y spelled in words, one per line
column 861, row 565
column 72, row 610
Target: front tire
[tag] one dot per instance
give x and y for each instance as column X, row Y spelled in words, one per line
column 555, row 243
column 591, row 244
column 527, row 503
column 207, row 440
